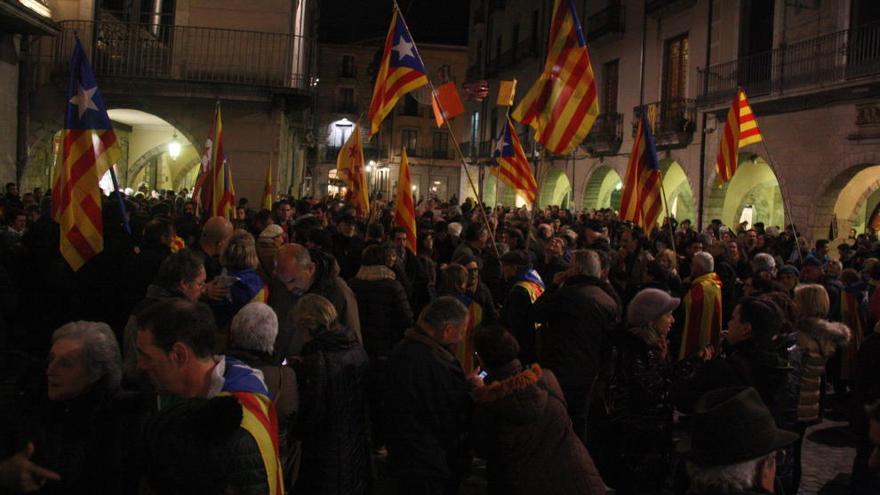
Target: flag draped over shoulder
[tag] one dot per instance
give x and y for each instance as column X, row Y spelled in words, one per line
column 641, row 199
column 214, row 187
column 268, row 192
column 404, row 209
column 740, row 130
column 563, row 104
column 89, row 149
column 400, row 71
column 513, row 166
column 702, row 320
column 350, row 166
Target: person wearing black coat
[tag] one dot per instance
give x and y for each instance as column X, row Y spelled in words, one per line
column 332, row 420
column 385, row 315
column 579, row 316
column 522, row 428
column 429, row 404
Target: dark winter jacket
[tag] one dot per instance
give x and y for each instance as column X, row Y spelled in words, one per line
column 579, row 317
column 429, row 410
column 332, row 421
column 522, row 427
column 383, row 308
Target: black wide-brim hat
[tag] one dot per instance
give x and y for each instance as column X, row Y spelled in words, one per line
column 732, row 425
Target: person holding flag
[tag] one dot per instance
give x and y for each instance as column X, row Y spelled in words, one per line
column 642, row 201
column 350, row 166
column 404, row 209
column 214, row 190
column 513, row 166
column 89, row 150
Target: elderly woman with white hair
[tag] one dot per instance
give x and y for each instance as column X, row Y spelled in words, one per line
column 83, row 426
column 252, row 340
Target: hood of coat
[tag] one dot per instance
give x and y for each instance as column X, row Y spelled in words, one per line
column 516, row 398
column 820, row 336
column 375, row 272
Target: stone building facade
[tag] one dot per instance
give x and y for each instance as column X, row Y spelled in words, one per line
column 811, row 70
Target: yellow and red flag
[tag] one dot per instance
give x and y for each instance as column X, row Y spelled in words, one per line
column 513, row 166
column 563, row 104
column 214, row 189
column 404, row 209
column 641, row 200
column 350, row 166
column 268, row 192
column 740, row 130
column 88, row 151
column 702, row 315
column 400, row 71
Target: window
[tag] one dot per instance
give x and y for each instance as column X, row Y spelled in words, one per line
column 479, row 52
column 410, row 107
column 409, row 139
column 514, row 41
column 475, row 132
column 493, row 124
column 345, row 100
column 497, row 51
column 675, row 68
column 441, row 145
column 347, row 67
column 444, row 74
column 610, row 74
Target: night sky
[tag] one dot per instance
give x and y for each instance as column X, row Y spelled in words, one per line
column 430, row 21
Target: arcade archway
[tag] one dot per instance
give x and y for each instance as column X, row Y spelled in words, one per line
column 752, row 195
column 603, row 189
column 555, row 188
column 679, row 197
column 855, row 205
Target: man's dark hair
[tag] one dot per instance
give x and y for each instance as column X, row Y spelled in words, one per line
column 763, row 315
column 376, row 254
column 11, row 214
column 495, row 345
column 320, row 238
column 473, row 231
column 156, row 229
column 179, row 320
column 397, row 230
column 821, row 244
column 182, row 266
column 303, row 207
column 873, row 411
column 375, row 230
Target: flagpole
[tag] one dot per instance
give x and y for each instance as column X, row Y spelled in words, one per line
column 702, row 189
column 786, row 205
column 457, row 147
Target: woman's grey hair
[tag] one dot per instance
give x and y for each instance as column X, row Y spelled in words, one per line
column 445, row 310
column 254, row 328
column 729, row 478
column 587, row 262
column 764, row 262
column 100, row 351
column 702, row 264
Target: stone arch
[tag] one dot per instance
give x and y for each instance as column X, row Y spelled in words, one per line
column 555, row 188
column 602, row 189
column 848, row 198
column 679, row 195
column 755, row 184
column 155, row 153
column 185, row 177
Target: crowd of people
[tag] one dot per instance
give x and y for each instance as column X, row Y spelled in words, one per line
column 307, row 350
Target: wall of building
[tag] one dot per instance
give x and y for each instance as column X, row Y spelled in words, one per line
column 8, row 106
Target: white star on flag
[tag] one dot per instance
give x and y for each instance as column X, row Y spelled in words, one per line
column 403, row 48
column 83, row 100
column 499, row 146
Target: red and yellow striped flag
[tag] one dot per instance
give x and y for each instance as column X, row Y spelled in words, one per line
column 513, row 166
column 641, row 200
column 400, row 71
column 740, row 130
column 89, row 149
column 404, row 209
column 268, row 192
column 214, row 191
column 350, row 166
column 562, row 105
column 260, row 419
column 702, row 310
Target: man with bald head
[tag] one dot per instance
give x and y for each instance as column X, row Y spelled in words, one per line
column 215, row 234
column 298, row 272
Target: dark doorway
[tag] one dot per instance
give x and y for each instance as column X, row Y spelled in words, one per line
column 755, row 46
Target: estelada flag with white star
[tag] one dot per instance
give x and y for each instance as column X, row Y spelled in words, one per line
column 400, row 71
column 89, row 150
column 513, row 166
column 350, row 166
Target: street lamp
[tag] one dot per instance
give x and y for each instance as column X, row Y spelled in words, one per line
column 174, row 147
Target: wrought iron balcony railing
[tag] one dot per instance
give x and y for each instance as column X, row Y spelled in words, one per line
column 183, row 53
column 524, row 49
column 606, row 135
column 673, row 121
column 830, row 59
column 663, row 7
column 609, row 20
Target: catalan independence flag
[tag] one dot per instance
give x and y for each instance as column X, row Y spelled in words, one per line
column 89, row 150
column 266, row 201
column 350, row 166
column 740, row 130
column 641, row 199
column 702, row 315
column 513, row 166
column 400, row 71
column 563, row 104
column 404, row 209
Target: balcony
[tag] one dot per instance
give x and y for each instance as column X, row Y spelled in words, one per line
column 607, row 21
column 606, row 135
column 657, row 8
column 181, row 53
column 525, row 49
column 831, row 59
column 674, row 122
